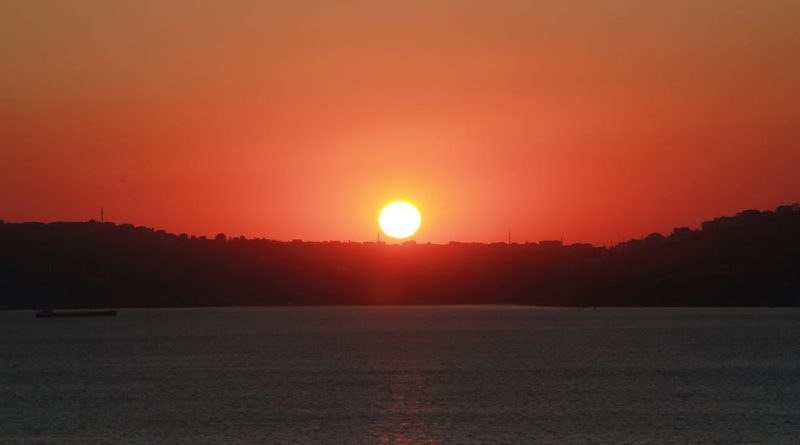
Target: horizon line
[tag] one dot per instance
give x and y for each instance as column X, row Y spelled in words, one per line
column 793, row 208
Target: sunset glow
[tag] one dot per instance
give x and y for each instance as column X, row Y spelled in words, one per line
column 596, row 121
column 391, row 221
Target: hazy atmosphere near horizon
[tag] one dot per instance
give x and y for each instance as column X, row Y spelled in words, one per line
column 595, row 121
column 399, row 222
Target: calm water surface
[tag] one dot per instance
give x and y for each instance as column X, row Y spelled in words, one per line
column 402, row 375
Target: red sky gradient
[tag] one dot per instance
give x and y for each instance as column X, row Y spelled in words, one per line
column 592, row 120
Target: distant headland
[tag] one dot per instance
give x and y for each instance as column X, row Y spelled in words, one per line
column 750, row 259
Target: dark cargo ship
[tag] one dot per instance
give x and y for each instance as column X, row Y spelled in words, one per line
column 48, row 313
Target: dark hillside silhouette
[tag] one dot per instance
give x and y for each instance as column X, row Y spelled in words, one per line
column 752, row 258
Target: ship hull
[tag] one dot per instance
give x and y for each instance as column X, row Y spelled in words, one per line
column 75, row 314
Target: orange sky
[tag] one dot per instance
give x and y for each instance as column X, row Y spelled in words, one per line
column 592, row 120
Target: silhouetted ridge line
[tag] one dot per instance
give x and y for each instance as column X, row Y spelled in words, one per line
column 752, row 258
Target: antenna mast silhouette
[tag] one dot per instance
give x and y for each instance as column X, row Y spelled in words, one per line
column 102, row 214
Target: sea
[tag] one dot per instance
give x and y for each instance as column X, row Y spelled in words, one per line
column 402, row 375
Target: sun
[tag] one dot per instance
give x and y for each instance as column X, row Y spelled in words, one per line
column 399, row 219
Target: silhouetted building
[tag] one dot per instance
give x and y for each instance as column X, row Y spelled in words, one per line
column 551, row 243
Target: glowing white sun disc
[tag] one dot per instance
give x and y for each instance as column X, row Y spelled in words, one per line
column 399, row 219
